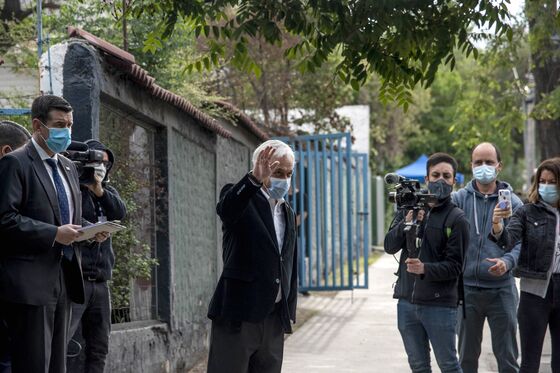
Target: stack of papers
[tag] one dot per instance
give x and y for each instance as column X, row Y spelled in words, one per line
column 90, row 231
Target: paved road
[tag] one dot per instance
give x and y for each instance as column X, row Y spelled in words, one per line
column 357, row 332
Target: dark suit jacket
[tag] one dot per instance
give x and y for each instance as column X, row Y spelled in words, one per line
column 29, row 217
column 254, row 268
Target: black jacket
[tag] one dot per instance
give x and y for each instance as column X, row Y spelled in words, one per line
column 441, row 251
column 98, row 259
column 254, row 267
column 534, row 225
column 29, row 217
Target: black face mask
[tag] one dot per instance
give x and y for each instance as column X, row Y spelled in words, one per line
column 440, row 189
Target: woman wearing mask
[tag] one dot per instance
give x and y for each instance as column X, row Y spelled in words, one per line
column 537, row 226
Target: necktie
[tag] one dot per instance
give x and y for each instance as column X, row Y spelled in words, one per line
column 62, row 203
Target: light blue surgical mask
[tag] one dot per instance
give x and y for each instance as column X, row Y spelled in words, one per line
column 59, row 139
column 278, row 187
column 484, row 174
column 549, row 193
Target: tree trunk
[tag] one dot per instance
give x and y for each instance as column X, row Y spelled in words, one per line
column 545, row 51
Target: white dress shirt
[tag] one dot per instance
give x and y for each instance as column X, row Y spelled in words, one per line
column 277, row 210
column 44, row 156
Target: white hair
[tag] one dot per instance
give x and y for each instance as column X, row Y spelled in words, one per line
column 282, row 150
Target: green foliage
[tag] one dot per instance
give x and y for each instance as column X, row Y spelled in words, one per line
column 403, row 42
column 544, row 25
column 18, row 45
column 480, row 100
column 132, row 257
column 165, row 59
column 549, row 106
column 15, row 100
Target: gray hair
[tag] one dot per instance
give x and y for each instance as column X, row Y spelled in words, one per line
column 282, row 149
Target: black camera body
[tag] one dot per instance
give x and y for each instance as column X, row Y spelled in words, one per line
column 84, row 158
column 408, row 194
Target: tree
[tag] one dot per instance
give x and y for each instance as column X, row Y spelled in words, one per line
column 279, row 96
column 402, row 41
column 480, row 100
column 544, row 40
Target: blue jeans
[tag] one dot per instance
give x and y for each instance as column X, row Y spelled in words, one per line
column 421, row 326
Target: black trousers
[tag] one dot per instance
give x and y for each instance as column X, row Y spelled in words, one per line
column 95, row 318
column 535, row 314
column 244, row 347
column 5, row 360
column 38, row 334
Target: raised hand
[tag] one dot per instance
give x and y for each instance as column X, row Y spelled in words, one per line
column 498, row 215
column 263, row 167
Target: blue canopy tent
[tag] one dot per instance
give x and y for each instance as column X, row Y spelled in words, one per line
column 417, row 170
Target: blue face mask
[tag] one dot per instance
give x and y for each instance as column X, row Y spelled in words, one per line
column 59, row 139
column 278, row 187
column 549, row 193
column 484, row 174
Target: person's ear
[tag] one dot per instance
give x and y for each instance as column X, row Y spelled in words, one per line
column 499, row 167
column 36, row 123
column 5, row 150
column 426, row 180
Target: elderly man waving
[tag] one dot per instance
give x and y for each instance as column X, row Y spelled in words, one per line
column 254, row 302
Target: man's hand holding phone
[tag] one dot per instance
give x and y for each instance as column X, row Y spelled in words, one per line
column 501, row 211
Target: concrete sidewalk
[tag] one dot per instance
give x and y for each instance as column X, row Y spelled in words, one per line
column 357, row 332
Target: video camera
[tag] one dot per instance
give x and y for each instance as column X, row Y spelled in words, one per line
column 85, row 159
column 408, row 194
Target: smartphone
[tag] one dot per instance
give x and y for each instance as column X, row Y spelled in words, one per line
column 504, row 199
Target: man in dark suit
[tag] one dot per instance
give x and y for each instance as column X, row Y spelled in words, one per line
column 254, row 302
column 40, row 271
column 12, row 137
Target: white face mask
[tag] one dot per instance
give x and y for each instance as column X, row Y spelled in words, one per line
column 100, row 171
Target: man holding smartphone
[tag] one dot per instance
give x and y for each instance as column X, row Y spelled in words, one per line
column 490, row 290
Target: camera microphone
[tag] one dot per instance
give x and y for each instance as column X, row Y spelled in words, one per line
column 393, row 178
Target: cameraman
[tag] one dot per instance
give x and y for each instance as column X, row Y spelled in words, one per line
column 100, row 202
column 427, row 285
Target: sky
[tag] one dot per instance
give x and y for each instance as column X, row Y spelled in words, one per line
column 516, row 6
